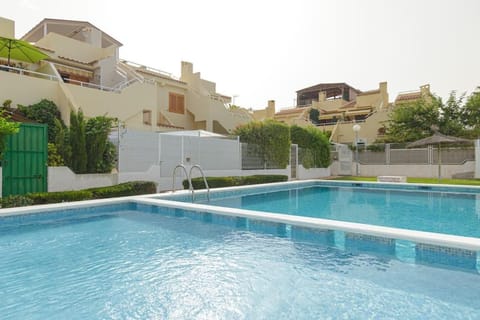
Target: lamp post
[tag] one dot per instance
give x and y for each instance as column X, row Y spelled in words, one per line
column 356, row 129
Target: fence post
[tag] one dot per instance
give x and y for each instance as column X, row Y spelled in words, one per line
column 477, row 159
column 387, row 153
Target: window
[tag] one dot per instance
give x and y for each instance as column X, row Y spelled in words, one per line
column 147, row 117
column 176, row 103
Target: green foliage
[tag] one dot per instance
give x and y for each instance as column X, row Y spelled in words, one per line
column 220, row 182
column 450, row 122
column 54, row 159
column 119, row 190
column 16, row 201
column 45, row 111
column 96, row 132
column 78, row 142
column 7, row 128
column 315, row 145
column 471, row 114
column 314, row 115
column 109, row 159
column 376, row 147
column 413, row 121
column 124, row 189
column 62, row 196
column 272, row 137
column 62, row 142
column 7, row 103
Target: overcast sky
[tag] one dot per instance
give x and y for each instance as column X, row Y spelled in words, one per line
column 266, row 50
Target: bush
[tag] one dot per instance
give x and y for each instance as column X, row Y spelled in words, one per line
column 56, row 197
column 54, row 159
column 219, row 182
column 271, row 137
column 316, row 145
column 16, row 201
column 124, row 189
column 45, row 111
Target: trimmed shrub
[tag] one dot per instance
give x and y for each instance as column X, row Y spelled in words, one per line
column 56, row 197
column 16, row 201
column 219, row 182
column 316, row 145
column 258, row 179
column 124, row 189
column 271, row 137
column 120, row 190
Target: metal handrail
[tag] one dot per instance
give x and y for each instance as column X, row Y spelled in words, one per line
column 186, row 174
column 204, row 181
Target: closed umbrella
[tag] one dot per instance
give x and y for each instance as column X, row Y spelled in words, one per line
column 20, row 50
column 437, row 139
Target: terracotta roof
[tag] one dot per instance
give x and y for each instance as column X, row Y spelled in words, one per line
column 169, row 126
column 409, row 96
column 78, row 61
column 17, row 116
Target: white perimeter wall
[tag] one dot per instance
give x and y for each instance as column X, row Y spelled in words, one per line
column 412, row 170
column 63, row 179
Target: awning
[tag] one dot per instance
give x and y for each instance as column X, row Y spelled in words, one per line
column 74, row 71
column 330, row 116
column 358, row 112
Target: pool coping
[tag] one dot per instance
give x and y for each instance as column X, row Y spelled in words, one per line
column 424, row 237
column 430, row 238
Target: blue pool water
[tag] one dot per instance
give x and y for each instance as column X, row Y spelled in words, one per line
column 133, row 264
column 440, row 212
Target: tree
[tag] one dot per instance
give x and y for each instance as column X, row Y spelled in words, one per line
column 7, row 128
column 451, row 115
column 62, row 142
column 96, row 133
column 45, row 111
column 77, row 142
column 413, row 121
column 471, row 112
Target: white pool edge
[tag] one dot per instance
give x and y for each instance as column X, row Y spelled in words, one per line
column 429, row 238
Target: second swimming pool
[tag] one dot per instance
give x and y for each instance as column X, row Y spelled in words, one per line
column 432, row 211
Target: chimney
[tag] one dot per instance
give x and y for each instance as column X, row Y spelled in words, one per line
column 7, row 28
column 270, row 109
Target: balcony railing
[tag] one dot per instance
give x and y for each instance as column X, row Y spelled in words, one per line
column 27, row 72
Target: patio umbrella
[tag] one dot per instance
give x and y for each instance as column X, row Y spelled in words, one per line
column 20, row 50
column 437, row 139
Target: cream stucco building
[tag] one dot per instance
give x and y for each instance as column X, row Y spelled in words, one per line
column 341, row 106
column 84, row 71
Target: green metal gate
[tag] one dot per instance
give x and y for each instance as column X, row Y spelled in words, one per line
column 24, row 164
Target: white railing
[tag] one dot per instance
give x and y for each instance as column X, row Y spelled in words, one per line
column 91, row 85
column 149, row 69
column 26, row 72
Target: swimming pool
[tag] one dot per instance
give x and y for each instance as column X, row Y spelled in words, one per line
column 425, row 210
column 137, row 259
column 440, row 222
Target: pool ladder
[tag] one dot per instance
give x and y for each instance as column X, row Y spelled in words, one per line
column 189, row 178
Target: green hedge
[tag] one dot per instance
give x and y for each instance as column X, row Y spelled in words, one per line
column 124, row 189
column 219, row 182
column 120, row 190
column 61, row 196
